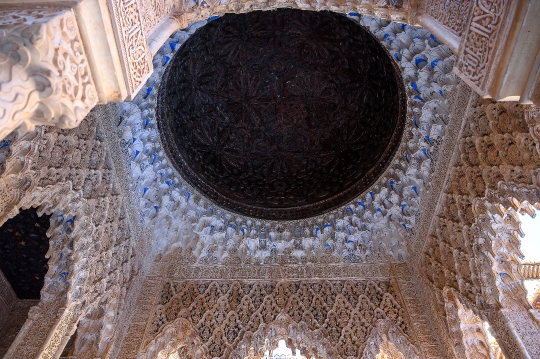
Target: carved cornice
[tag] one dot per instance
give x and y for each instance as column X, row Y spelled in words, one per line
column 45, row 75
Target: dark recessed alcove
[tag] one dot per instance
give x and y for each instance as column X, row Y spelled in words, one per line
column 23, row 245
column 281, row 114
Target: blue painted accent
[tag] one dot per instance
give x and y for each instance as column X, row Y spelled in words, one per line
column 64, row 274
column 419, row 98
column 243, row 231
column 379, row 209
column 232, row 226
column 397, row 56
column 212, row 18
column 188, row 196
column 415, row 87
column 392, row 183
column 441, row 92
column 418, row 61
column 168, row 183
column 350, row 241
column 145, row 189
column 424, row 151
column 407, row 158
column 404, row 226
column 133, row 139
column 327, row 225
column 360, row 203
column 428, row 139
column 386, row 36
column 417, row 37
column 317, row 230
column 148, row 91
column 403, row 207
column 166, row 59
column 434, row 63
column 433, row 38
column 403, row 26
column 493, row 218
column 371, row 194
column 5, row 144
column 327, row 245
column 156, row 208
column 415, row 190
column 352, row 13
column 173, row 44
column 415, row 121
column 146, row 122
column 61, row 255
column 153, row 158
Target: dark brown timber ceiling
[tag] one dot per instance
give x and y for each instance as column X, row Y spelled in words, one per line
column 281, row 114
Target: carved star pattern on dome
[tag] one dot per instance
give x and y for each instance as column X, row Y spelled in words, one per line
column 281, row 114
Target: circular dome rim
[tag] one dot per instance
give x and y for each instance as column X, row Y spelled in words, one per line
column 292, row 213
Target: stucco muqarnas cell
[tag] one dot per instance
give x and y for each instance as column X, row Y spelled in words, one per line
column 282, row 114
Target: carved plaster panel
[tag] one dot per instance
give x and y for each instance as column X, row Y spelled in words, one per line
column 478, row 51
column 45, row 76
column 224, row 313
column 452, row 14
column 130, row 32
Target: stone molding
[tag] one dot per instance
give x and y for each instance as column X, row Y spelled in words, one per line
column 45, row 74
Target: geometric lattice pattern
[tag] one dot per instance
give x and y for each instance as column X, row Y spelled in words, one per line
column 222, row 312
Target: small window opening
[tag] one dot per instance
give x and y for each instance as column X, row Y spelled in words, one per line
column 23, row 246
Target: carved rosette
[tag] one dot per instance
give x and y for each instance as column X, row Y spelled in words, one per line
column 45, row 77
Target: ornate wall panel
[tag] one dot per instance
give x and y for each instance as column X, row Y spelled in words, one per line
column 154, row 12
column 131, row 34
column 45, row 74
column 451, row 13
column 224, row 313
column 479, row 49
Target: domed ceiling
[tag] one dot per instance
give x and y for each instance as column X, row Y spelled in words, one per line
column 281, row 114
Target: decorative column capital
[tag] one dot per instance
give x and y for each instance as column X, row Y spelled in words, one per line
column 44, row 74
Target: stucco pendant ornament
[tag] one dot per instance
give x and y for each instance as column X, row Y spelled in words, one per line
column 282, row 114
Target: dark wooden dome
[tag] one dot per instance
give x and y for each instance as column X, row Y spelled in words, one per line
column 281, row 114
